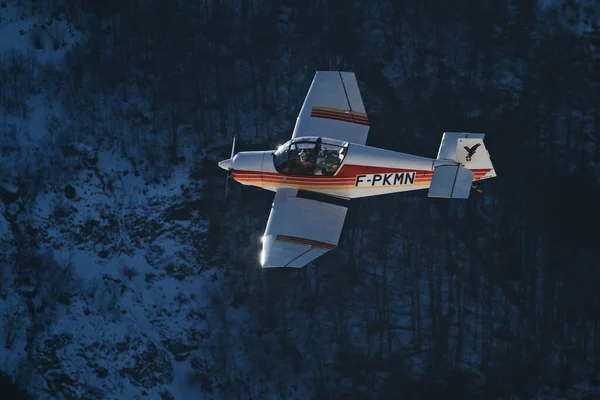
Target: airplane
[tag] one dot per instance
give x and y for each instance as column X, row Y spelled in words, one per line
column 326, row 163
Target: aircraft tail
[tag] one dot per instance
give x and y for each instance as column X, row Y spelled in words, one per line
column 462, row 158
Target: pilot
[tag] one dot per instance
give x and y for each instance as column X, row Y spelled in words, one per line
column 304, row 160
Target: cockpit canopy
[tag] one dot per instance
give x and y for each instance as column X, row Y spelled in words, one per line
column 310, row 155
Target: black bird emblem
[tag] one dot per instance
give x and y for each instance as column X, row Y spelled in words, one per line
column 471, row 151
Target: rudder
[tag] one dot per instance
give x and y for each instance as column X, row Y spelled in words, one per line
column 467, row 149
column 462, row 159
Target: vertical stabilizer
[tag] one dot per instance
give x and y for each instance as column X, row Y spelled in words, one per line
column 467, row 149
column 462, row 158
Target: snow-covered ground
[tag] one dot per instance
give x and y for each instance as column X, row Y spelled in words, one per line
column 125, row 304
column 119, row 247
column 30, row 29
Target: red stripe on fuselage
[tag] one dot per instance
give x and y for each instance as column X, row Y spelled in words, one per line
column 346, row 175
column 351, row 170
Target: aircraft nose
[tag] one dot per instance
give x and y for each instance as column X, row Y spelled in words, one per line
column 225, row 164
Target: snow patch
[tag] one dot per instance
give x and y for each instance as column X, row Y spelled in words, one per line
column 46, row 38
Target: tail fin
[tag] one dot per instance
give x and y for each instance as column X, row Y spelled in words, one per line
column 462, row 158
column 468, row 150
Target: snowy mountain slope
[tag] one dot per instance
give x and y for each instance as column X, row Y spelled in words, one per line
column 29, row 28
column 130, row 278
column 117, row 254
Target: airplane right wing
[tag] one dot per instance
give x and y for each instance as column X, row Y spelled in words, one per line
column 333, row 108
column 300, row 229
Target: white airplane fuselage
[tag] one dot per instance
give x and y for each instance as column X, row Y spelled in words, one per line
column 364, row 171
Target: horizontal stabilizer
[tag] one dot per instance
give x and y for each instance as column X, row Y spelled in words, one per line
column 451, row 181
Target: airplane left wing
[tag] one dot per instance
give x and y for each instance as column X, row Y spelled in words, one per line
column 300, row 229
column 333, row 108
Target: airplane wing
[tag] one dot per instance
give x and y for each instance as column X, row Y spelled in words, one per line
column 333, row 108
column 300, row 229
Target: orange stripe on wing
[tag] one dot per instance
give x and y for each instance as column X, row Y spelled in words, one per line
column 304, row 242
column 323, row 108
column 341, row 114
column 338, row 118
column 337, row 114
